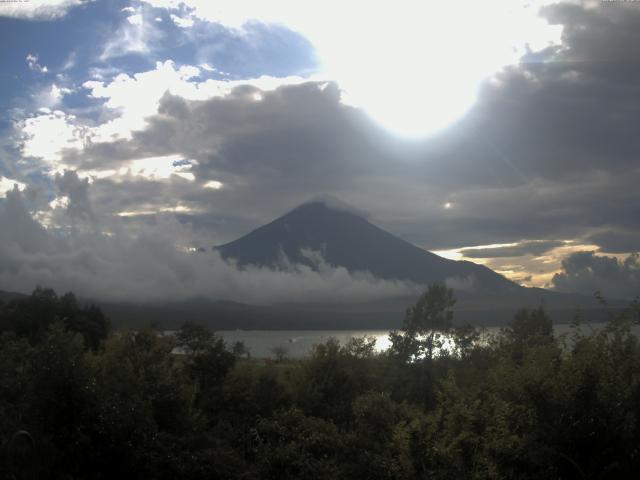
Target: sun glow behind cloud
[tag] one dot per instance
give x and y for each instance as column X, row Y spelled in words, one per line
column 413, row 66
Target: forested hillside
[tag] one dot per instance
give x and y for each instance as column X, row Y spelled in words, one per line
column 80, row 401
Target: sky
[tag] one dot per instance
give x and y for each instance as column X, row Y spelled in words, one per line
column 502, row 132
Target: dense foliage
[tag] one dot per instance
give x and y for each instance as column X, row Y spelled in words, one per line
column 78, row 401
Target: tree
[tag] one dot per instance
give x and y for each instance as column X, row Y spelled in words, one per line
column 239, row 349
column 59, row 398
column 88, row 321
column 207, row 361
column 280, row 352
column 530, row 324
column 528, row 328
column 465, row 338
column 31, row 317
column 194, row 338
column 360, row 347
column 430, row 315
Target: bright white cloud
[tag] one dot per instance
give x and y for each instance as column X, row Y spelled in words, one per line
column 50, row 97
column 61, row 202
column 32, row 62
column 414, row 66
column 48, row 133
column 135, row 19
column 182, row 22
column 156, row 209
column 8, row 184
column 59, row 92
column 134, row 36
column 213, row 185
column 38, row 9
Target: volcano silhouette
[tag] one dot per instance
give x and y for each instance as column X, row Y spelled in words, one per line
column 339, row 237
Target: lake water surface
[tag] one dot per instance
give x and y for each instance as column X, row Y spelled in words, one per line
column 299, row 343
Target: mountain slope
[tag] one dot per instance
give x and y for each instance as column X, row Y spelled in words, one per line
column 348, row 240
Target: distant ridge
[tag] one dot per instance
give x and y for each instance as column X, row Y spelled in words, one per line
column 8, row 296
column 346, row 239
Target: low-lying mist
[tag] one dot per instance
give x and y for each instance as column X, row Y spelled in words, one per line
column 103, row 259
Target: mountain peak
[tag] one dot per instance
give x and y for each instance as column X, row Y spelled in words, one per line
column 346, row 239
column 326, row 203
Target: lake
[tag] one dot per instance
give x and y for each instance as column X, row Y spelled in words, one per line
column 299, row 343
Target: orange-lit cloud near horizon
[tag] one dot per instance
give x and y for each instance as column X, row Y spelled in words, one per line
column 527, row 270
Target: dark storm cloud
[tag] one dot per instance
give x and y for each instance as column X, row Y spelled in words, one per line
column 547, row 120
column 77, row 192
column 131, row 192
column 295, row 132
column 617, row 241
column 541, row 209
column 584, row 272
column 111, row 154
column 607, row 33
column 24, row 234
column 299, row 141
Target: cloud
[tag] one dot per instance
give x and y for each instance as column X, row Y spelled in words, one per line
column 7, row 185
column 161, row 167
column 547, row 153
column 182, row 22
column 575, row 95
column 76, row 191
column 25, row 235
column 462, row 284
column 530, row 247
column 301, row 141
column 32, row 62
column 336, row 204
column 154, row 263
column 128, row 101
column 614, row 240
column 51, row 96
column 47, row 134
column 132, row 99
column 596, row 32
column 585, row 272
column 137, row 35
column 38, row 9
column 295, row 139
column 438, row 88
column 135, row 19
